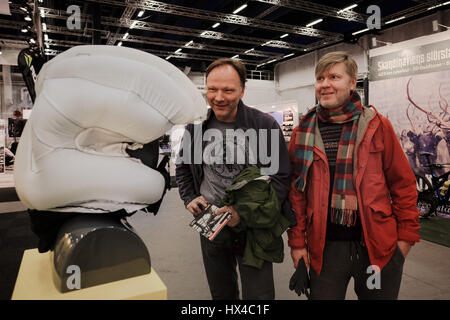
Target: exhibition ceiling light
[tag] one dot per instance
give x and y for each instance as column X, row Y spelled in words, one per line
column 226, row 23
column 178, row 51
column 234, row 57
column 394, row 20
column 347, row 8
column 438, row 5
column 119, row 44
column 240, row 8
column 360, row 31
column 314, row 22
column 387, row 22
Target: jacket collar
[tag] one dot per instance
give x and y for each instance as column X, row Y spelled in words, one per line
column 365, row 118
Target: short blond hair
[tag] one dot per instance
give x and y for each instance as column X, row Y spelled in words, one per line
column 331, row 58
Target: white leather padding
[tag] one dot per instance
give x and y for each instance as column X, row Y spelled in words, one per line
column 92, row 102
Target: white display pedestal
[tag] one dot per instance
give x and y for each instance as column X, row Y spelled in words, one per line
column 35, row 282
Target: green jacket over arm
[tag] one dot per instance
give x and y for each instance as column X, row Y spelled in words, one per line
column 256, row 202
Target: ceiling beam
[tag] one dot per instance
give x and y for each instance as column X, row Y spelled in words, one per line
column 266, row 12
column 410, row 12
column 194, row 45
column 9, row 24
column 161, row 7
column 202, row 33
column 12, row 43
column 126, row 23
column 318, row 9
column 127, row 14
column 170, row 43
column 163, row 54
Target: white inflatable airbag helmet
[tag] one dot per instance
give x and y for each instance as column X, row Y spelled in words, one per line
column 92, row 102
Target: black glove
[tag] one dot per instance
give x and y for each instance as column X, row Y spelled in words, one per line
column 300, row 280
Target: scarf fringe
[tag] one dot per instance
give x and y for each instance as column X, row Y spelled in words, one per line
column 344, row 217
column 300, row 184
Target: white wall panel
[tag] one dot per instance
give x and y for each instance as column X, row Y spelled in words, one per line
column 259, row 92
column 304, row 96
column 294, row 73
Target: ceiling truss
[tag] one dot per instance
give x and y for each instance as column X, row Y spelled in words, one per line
column 318, row 9
column 262, row 50
column 220, row 17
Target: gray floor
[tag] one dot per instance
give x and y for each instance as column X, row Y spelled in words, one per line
column 175, row 252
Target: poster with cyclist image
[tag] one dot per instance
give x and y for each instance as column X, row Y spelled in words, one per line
column 411, row 87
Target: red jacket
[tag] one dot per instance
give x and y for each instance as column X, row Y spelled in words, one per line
column 385, row 186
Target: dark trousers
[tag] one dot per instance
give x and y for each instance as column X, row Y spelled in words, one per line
column 345, row 259
column 220, row 261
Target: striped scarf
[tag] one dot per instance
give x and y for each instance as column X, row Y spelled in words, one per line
column 344, row 203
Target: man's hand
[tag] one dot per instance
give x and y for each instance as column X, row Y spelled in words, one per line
column 298, row 254
column 193, row 205
column 235, row 219
column 404, row 247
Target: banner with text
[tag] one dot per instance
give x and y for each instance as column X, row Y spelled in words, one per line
column 422, row 59
column 411, row 87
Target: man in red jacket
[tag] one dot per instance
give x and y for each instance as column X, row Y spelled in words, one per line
column 353, row 191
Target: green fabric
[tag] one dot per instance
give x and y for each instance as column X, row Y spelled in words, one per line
column 259, row 208
column 435, row 229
